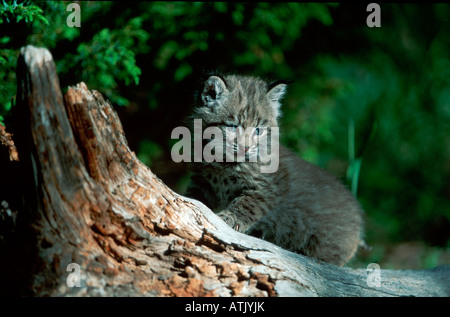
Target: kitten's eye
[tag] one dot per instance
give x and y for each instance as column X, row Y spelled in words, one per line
column 259, row 131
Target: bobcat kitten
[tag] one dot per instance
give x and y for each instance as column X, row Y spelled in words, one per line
column 300, row 207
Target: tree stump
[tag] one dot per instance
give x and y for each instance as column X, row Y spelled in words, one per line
column 92, row 220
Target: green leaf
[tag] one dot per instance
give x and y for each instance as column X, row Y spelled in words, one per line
column 183, row 71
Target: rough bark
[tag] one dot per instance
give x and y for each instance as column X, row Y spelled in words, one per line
column 87, row 199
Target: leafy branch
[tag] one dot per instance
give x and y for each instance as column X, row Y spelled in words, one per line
column 15, row 12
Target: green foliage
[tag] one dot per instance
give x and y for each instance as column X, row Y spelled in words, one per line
column 354, row 165
column 104, row 59
column 7, row 78
column 149, row 152
column 16, row 12
column 110, row 57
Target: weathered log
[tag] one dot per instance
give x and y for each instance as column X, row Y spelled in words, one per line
column 94, row 204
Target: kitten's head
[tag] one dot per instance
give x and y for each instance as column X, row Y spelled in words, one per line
column 249, row 101
column 238, row 104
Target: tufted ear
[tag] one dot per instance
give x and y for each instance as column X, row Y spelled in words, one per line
column 275, row 92
column 214, row 91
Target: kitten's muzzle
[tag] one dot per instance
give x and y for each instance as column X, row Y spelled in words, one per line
column 244, row 148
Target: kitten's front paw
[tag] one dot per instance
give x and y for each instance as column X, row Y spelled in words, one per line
column 231, row 220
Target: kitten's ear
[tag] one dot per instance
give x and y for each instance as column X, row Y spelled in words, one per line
column 214, row 91
column 277, row 89
column 275, row 92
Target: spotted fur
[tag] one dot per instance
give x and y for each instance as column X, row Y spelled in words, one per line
column 300, row 207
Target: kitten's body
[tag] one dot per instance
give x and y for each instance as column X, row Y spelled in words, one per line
column 300, row 207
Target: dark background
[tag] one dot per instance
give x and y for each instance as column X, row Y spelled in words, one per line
column 371, row 105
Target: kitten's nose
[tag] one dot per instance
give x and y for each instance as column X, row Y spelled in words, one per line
column 245, row 148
